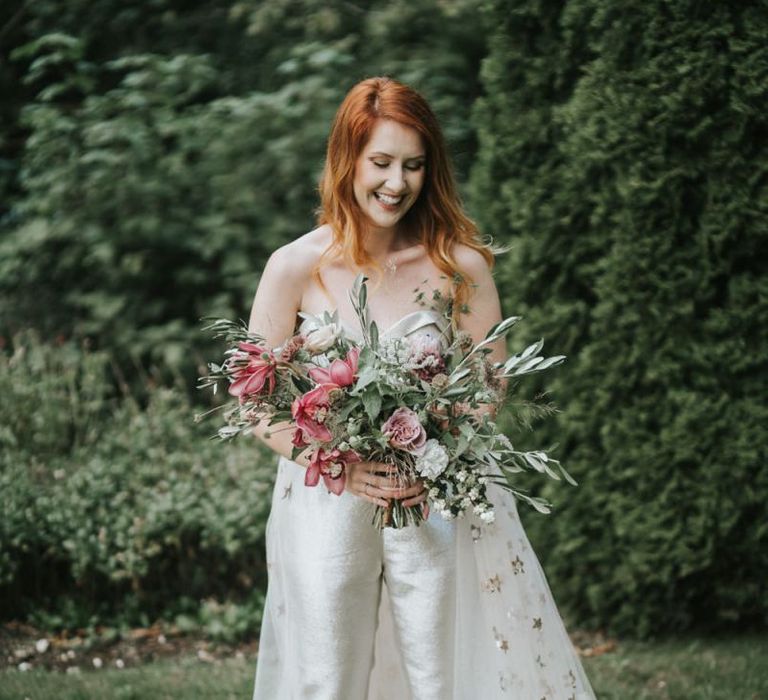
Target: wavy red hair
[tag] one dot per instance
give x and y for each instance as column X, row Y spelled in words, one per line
column 436, row 219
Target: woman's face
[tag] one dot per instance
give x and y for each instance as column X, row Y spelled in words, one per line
column 389, row 173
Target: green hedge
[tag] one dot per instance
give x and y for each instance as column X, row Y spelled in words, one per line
column 117, row 511
column 160, row 166
column 623, row 148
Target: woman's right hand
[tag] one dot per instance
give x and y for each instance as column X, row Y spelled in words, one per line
column 374, row 481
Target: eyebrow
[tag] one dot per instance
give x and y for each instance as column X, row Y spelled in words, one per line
column 387, row 155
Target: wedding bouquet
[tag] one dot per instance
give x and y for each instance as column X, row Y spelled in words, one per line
column 418, row 404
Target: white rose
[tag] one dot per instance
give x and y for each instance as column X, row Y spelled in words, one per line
column 321, row 338
column 433, row 461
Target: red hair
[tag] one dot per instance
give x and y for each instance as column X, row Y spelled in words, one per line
column 436, row 219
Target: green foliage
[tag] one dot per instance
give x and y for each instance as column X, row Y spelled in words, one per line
column 157, row 177
column 109, row 509
column 623, row 149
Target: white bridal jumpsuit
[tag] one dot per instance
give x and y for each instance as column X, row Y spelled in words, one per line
column 449, row 610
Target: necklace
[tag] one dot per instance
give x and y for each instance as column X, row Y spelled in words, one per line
column 391, row 266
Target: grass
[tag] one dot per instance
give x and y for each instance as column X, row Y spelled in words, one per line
column 688, row 669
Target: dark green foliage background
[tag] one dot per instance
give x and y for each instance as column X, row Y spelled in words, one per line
column 153, row 154
column 623, row 150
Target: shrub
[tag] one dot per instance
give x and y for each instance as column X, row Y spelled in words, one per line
column 622, row 148
column 118, row 507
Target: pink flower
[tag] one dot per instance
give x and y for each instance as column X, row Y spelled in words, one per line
column 405, row 431
column 298, row 439
column 340, row 372
column 253, row 370
column 426, row 358
column 311, row 410
column 330, row 464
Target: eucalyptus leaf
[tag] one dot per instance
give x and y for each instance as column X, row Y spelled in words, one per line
column 372, row 403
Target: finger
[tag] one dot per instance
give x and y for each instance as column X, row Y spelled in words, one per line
column 389, row 483
column 411, row 491
column 387, row 470
column 368, row 493
column 386, row 493
column 383, row 502
column 415, row 500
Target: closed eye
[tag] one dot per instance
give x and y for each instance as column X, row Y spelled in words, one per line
column 410, row 166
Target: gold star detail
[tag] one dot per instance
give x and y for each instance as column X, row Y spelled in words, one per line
column 537, row 623
column 287, row 491
column 518, row 567
column 493, row 584
column 502, row 643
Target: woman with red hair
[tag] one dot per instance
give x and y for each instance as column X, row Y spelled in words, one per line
column 449, row 609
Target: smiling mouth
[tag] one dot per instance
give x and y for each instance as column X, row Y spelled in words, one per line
column 389, row 200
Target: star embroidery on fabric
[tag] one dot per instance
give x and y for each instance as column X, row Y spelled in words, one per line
column 493, row 584
column 537, row 623
column 518, row 567
column 539, row 661
column 570, row 679
column 287, row 491
column 476, row 531
column 502, row 643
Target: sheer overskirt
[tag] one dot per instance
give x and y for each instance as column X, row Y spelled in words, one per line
column 466, row 603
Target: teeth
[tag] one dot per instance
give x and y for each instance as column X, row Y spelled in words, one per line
column 387, row 199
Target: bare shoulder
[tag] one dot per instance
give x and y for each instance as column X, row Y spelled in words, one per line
column 279, row 293
column 295, row 261
column 472, row 262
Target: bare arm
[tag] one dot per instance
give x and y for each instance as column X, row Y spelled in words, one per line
column 484, row 307
column 273, row 316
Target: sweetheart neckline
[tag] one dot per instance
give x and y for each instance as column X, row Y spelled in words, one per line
column 342, row 322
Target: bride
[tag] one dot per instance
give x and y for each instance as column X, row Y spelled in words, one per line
column 450, row 609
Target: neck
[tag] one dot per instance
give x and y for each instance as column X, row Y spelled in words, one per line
column 382, row 243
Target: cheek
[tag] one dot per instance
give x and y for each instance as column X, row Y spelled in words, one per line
column 417, row 184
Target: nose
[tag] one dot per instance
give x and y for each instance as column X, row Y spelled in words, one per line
column 396, row 179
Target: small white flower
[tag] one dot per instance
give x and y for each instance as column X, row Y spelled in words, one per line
column 488, row 517
column 474, row 494
column 433, row 461
column 480, row 508
column 97, row 662
column 42, row 645
column 461, row 476
column 321, row 338
column 24, row 666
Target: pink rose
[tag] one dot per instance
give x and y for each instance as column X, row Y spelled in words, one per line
column 253, row 371
column 311, row 410
column 405, row 431
column 331, row 465
column 340, row 372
